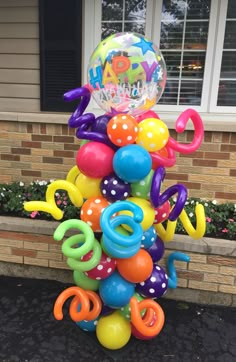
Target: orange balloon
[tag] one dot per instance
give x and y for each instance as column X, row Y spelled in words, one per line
column 122, row 129
column 137, row 268
column 91, row 211
column 92, row 314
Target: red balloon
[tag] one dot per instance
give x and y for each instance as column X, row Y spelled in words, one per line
column 162, row 212
column 103, row 270
column 94, row 159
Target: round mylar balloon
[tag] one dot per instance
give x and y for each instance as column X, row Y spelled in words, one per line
column 126, row 73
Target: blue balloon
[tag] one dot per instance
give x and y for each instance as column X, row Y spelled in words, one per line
column 149, row 237
column 132, row 163
column 88, row 326
column 115, row 291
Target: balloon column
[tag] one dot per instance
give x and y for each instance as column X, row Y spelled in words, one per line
column 118, row 184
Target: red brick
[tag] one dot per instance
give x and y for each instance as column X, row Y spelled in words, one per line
column 59, row 153
column 192, row 185
column 220, row 260
column 56, row 160
column 24, row 252
column 71, row 147
column 64, row 130
column 207, row 137
column 232, row 172
column 233, row 138
column 37, row 137
column 27, row 237
column 217, row 155
column 31, row 173
column 43, row 129
column 225, row 195
column 176, row 176
column 31, row 144
column 190, row 136
column 197, row 154
column 21, row 151
column 190, row 275
column 29, row 128
column 228, row 148
column 63, row 139
column 205, row 163
column 8, row 157
column 226, row 137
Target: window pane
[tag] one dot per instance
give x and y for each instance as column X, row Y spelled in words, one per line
column 170, row 95
column 112, row 9
column 120, row 15
column 193, row 65
column 190, row 92
column 227, row 93
column 230, row 35
column 110, row 28
column 196, row 35
column 173, row 61
column 231, row 13
column 135, row 10
column 171, row 35
column 227, row 83
column 184, row 34
column 198, row 9
column 135, row 27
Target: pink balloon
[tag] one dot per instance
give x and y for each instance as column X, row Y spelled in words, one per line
column 148, row 114
column 103, row 270
column 181, row 126
column 94, row 159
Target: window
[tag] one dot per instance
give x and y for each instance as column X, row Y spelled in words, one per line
column 197, row 39
column 60, row 52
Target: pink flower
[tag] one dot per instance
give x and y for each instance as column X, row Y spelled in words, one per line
column 208, row 219
column 34, row 214
column 225, row 230
column 64, row 203
column 231, row 220
column 59, row 202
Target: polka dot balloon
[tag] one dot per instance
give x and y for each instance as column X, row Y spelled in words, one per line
column 162, row 212
column 148, row 238
column 153, row 134
column 122, row 129
column 103, row 270
column 114, row 189
column 156, row 285
column 91, row 211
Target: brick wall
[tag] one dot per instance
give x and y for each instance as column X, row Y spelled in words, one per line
column 205, row 272
column 47, row 151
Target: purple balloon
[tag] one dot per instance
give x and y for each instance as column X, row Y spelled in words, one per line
column 114, row 189
column 76, row 94
column 156, row 285
column 158, row 199
column 157, row 250
column 100, row 124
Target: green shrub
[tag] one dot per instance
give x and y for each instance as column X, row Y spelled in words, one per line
column 220, row 218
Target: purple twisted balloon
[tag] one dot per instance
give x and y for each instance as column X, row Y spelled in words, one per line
column 84, row 122
column 158, row 199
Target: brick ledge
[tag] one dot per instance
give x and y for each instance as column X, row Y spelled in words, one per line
column 181, row 242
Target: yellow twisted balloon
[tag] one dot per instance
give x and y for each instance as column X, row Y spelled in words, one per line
column 168, row 233
column 50, row 205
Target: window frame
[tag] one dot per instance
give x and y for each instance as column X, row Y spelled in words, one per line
column 214, row 49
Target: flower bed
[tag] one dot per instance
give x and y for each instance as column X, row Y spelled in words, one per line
column 220, row 218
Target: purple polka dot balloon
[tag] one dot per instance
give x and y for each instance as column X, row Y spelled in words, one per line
column 114, row 189
column 156, row 250
column 156, row 285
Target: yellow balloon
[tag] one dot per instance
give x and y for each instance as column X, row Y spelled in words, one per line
column 113, row 331
column 50, row 205
column 153, row 134
column 148, row 212
column 88, row 186
column 73, row 174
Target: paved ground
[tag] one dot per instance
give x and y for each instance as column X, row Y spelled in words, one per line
column 29, row 332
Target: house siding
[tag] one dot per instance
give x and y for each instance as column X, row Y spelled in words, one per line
column 19, row 56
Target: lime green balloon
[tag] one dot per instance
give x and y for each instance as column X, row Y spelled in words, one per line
column 143, row 187
column 82, row 281
column 126, row 311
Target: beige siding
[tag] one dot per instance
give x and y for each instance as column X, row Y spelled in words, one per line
column 19, row 56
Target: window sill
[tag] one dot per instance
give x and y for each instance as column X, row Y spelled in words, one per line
column 212, row 122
